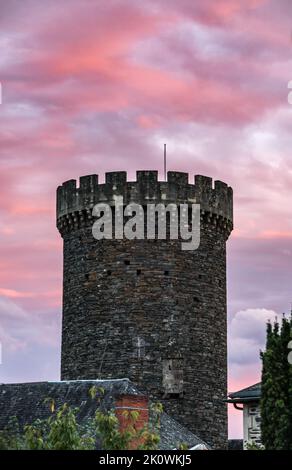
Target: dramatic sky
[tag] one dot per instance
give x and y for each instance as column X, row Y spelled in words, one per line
column 90, row 86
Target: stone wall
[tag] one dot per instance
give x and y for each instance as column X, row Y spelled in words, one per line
column 145, row 309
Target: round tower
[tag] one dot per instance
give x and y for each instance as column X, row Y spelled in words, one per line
column 146, row 309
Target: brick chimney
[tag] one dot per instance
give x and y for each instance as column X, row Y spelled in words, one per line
column 130, row 403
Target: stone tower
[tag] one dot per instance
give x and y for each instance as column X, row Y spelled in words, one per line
column 145, row 309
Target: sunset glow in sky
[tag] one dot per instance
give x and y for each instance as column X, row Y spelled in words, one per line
column 91, row 86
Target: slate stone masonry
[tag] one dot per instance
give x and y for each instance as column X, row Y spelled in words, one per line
column 145, row 309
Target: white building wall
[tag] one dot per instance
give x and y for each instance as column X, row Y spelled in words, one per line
column 251, row 424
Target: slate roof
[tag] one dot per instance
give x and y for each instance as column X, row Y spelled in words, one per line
column 252, row 393
column 26, row 402
column 173, row 434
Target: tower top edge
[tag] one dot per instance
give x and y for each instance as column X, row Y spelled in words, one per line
column 143, row 176
column 213, row 196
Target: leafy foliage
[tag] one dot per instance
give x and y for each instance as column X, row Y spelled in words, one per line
column 276, row 396
column 254, row 446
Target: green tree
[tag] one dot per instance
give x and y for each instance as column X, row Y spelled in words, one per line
column 276, row 401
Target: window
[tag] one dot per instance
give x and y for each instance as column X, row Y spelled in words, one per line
column 172, row 378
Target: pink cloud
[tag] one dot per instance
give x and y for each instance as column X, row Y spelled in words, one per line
column 13, row 294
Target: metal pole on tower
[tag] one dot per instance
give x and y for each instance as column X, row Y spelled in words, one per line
column 164, row 162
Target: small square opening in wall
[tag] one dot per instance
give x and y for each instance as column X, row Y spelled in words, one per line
column 127, row 262
column 196, row 300
column 166, row 273
column 172, row 378
column 109, row 272
column 139, row 272
column 91, row 276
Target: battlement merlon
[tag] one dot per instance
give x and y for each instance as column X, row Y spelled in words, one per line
column 217, row 199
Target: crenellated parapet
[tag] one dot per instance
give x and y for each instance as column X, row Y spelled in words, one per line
column 75, row 203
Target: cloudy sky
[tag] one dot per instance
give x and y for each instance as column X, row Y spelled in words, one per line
column 93, row 86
